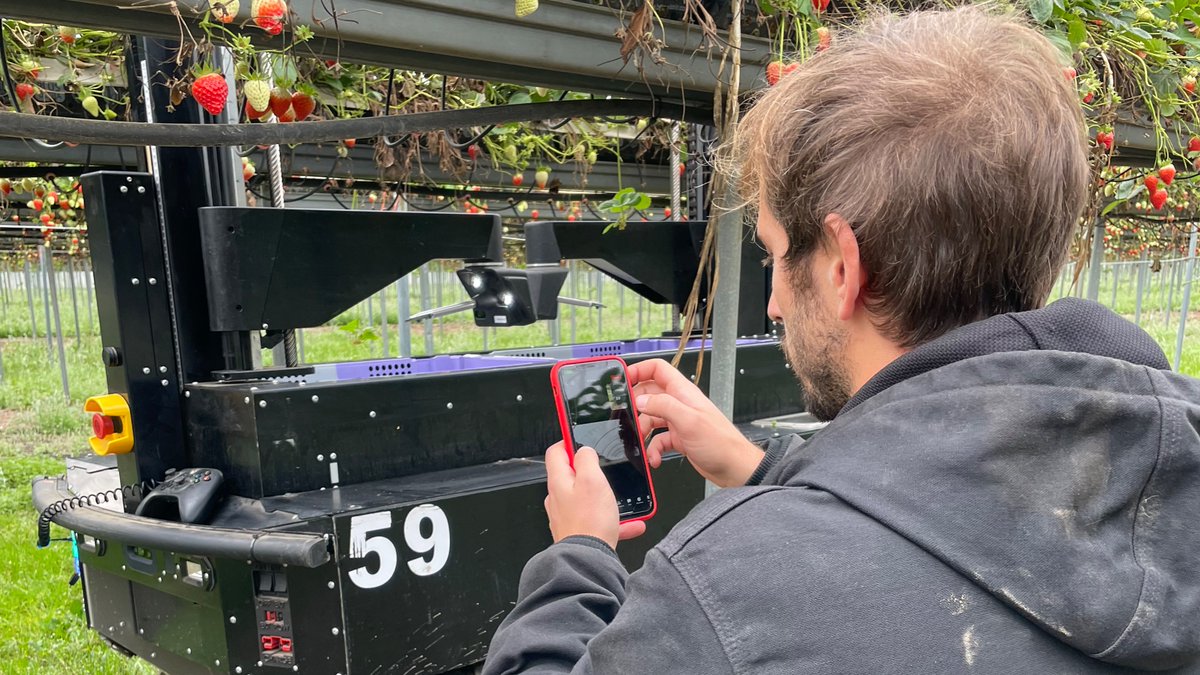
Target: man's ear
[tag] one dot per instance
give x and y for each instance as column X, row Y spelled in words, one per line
column 846, row 272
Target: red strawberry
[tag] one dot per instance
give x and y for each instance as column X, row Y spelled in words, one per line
column 350, row 142
column 774, row 72
column 1088, row 97
column 666, row 212
column 303, row 105
column 1069, row 72
column 281, row 101
column 46, row 218
column 533, row 214
column 682, row 168
column 269, row 15
column 824, row 38
column 1194, row 144
column 1151, row 184
column 247, row 171
column 210, row 91
column 517, row 179
column 1189, row 84
column 472, row 151
column 288, row 115
column 36, row 204
column 790, row 68
column 67, row 35
column 820, row 5
column 571, row 217
column 5, row 186
column 253, row 114
column 1167, row 174
column 1159, row 198
column 24, row 91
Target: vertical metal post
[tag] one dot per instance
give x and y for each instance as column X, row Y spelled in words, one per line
column 1187, row 295
column 427, row 324
column 600, row 302
column 485, row 338
column 574, row 273
column 371, row 311
column 45, row 279
column 402, row 314
column 725, row 307
column 91, row 307
column 1162, row 284
column 74, row 298
column 62, row 355
column 440, row 324
column 1171, row 293
column 383, row 316
column 1141, row 286
column 641, row 306
column 300, row 344
column 1116, row 274
column 1096, row 262
column 29, row 296
column 676, row 203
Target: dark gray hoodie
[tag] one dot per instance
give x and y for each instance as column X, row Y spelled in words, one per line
column 1021, row 495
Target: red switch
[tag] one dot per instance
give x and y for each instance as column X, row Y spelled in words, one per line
column 270, row 643
column 285, row 645
column 102, row 426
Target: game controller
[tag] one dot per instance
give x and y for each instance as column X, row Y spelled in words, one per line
column 188, row 496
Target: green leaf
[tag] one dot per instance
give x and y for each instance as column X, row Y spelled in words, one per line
column 1040, row 10
column 1110, row 206
column 1076, row 31
column 519, row 98
column 1059, row 40
column 643, row 201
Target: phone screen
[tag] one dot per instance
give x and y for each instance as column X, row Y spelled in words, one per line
column 597, row 401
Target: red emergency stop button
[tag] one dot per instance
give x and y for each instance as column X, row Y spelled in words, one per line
column 112, row 431
column 102, row 426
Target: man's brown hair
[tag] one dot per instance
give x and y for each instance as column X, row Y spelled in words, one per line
column 953, row 144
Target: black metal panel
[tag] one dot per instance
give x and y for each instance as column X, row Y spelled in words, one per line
column 275, row 438
column 135, row 318
column 429, row 617
column 294, row 268
column 187, row 178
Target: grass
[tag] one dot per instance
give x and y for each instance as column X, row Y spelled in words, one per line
column 42, row 628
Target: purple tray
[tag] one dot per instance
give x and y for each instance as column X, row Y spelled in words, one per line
column 644, row 345
column 423, row 366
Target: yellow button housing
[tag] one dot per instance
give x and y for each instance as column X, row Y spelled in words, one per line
column 121, row 440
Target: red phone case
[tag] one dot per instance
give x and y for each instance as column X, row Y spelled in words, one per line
column 565, row 425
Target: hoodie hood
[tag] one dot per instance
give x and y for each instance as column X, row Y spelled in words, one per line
column 1050, row 458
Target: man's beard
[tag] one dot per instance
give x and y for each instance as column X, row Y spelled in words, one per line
column 816, row 349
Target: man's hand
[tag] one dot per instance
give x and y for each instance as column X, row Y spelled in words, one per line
column 694, row 426
column 580, row 501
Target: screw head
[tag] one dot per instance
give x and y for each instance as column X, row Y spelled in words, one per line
column 450, row 405
column 246, row 400
column 333, row 455
column 372, row 413
column 165, row 383
column 237, row 669
column 262, row 404
column 146, row 370
column 335, row 631
column 315, row 398
column 331, row 585
column 233, row 619
column 162, row 369
column 124, row 189
column 152, row 281
column 520, row 398
column 320, row 458
column 135, row 281
column 142, row 191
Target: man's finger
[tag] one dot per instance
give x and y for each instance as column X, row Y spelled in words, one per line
column 666, row 376
column 559, row 476
column 666, row 407
column 635, row 528
column 648, row 423
column 658, row 446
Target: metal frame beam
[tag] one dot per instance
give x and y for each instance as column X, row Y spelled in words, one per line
column 565, row 44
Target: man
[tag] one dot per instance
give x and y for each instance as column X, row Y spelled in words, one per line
column 1004, row 488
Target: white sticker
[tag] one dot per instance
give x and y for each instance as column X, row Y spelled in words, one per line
column 501, row 319
column 362, row 546
column 437, row 544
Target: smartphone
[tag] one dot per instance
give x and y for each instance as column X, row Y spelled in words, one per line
column 596, row 409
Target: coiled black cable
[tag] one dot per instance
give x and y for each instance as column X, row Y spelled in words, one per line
column 64, row 505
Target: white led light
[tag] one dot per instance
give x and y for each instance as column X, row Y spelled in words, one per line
column 477, row 281
column 506, row 298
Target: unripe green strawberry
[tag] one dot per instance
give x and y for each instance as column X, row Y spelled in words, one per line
column 258, row 94
column 526, row 7
column 91, row 105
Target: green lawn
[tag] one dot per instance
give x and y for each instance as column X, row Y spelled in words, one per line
column 41, row 621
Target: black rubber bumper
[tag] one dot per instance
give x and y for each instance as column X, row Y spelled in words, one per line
column 276, row 548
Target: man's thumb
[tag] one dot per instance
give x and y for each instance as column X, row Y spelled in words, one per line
column 662, row 405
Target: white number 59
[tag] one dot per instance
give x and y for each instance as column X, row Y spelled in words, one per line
column 437, row 544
